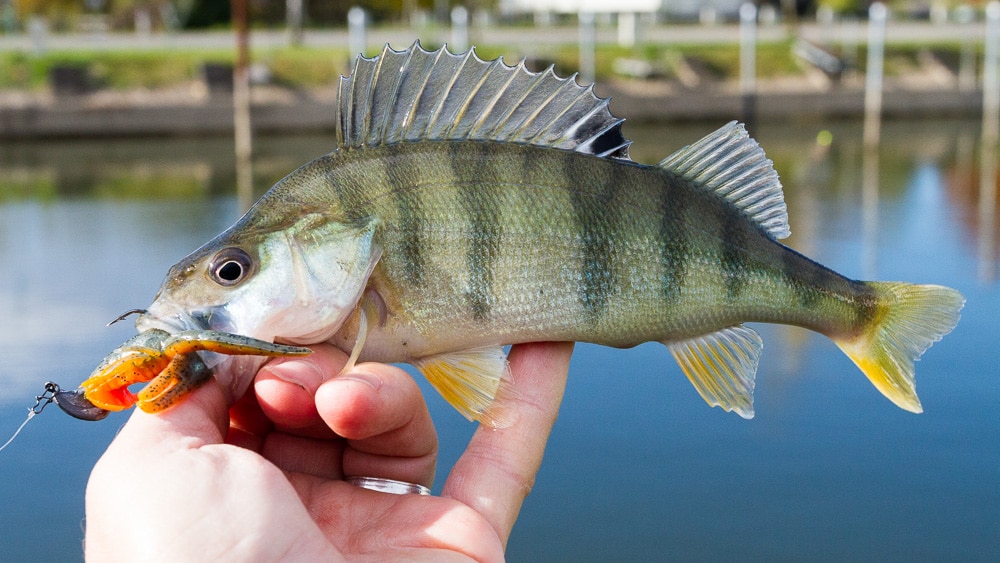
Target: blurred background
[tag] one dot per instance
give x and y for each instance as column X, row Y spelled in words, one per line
column 133, row 131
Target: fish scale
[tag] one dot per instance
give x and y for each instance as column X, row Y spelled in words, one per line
column 593, row 241
column 470, row 205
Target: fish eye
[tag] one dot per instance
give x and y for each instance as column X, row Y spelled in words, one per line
column 230, row 266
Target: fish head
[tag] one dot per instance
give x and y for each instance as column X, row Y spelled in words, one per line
column 297, row 281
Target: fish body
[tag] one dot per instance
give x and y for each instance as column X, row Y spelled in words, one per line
column 470, row 205
column 572, row 247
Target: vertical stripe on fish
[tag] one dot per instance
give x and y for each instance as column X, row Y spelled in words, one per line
column 732, row 254
column 481, row 203
column 674, row 243
column 593, row 194
column 410, row 214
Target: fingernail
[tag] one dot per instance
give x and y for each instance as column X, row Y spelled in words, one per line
column 306, row 375
column 370, row 379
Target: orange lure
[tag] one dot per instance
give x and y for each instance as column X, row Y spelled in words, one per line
column 171, row 365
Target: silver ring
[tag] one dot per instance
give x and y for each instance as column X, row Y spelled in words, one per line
column 388, row 485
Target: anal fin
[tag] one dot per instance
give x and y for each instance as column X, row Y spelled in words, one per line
column 721, row 366
column 471, row 381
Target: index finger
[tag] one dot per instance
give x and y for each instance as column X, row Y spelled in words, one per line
column 498, row 469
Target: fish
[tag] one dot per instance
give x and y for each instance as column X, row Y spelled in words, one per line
column 469, row 205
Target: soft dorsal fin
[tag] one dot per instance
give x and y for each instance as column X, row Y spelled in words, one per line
column 731, row 164
column 416, row 95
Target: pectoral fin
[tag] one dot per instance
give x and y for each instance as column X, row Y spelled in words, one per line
column 371, row 314
column 722, row 365
column 470, row 381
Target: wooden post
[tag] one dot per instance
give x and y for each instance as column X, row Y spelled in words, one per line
column 241, row 106
column 748, row 62
column 991, row 75
column 459, row 29
column 587, row 39
column 988, row 144
column 357, row 40
column 294, row 17
column 877, row 14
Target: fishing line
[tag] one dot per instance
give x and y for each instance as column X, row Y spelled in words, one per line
column 31, row 414
column 41, row 401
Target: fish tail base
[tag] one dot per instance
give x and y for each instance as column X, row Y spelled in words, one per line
column 910, row 318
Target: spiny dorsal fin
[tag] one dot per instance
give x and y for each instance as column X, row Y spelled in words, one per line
column 722, row 366
column 731, row 164
column 416, row 95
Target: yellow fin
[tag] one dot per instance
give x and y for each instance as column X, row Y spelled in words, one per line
column 722, row 366
column 911, row 318
column 470, row 381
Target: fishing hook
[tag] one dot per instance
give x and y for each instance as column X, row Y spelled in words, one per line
column 124, row 315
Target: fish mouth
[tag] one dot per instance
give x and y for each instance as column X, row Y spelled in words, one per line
column 172, row 325
column 173, row 322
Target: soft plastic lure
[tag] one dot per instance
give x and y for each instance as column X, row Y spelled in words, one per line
column 170, row 363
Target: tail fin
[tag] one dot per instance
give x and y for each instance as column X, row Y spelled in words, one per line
column 910, row 318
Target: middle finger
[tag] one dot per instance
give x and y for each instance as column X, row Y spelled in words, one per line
column 381, row 412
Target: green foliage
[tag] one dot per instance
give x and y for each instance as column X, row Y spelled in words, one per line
column 845, row 6
column 131, row 184
column 305, row 67
column 17, row 71
column 21, row 185
column 123, row 70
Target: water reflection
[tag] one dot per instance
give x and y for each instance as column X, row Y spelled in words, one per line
column 869, row 207
column 638, row 466
column 843, row 177
column 987, row 213
column 144, row 168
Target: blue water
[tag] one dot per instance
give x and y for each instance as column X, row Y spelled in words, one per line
column 638, row 467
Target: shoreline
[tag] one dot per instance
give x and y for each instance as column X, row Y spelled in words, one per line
column 191, row 111
column 931, row 87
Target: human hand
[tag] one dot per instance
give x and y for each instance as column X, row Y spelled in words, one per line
column 263, row 480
